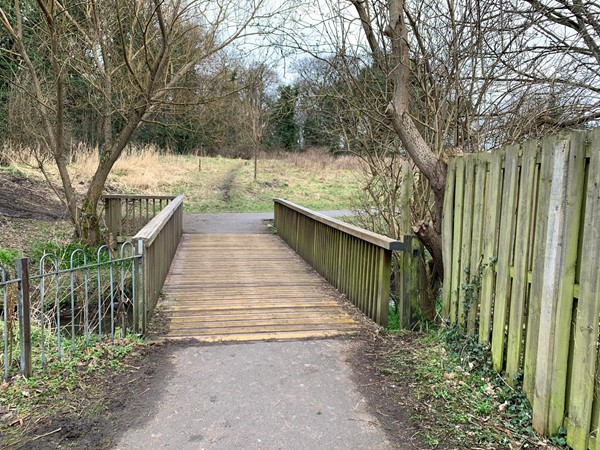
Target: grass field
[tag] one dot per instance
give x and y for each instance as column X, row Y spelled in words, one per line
column 214, row 184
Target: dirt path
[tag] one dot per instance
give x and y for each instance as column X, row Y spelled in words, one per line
column 228, row 180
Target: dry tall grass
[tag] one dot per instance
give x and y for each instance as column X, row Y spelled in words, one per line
column 143, row 169
column 313, row 177
column 140, row 168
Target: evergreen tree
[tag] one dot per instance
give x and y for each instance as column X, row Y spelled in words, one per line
column 285, row 129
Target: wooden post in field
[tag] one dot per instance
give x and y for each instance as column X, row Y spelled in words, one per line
column 24, row 316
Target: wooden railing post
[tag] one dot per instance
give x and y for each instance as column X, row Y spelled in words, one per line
column 24, row 316
column 383, row 290
column 138, row 302
column 112, row 214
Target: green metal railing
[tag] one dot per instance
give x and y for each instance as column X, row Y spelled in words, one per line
column 356, row 261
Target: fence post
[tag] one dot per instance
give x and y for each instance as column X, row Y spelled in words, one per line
column 138, row 301
column 112, row 217
column 24, row 316
column 383, row 291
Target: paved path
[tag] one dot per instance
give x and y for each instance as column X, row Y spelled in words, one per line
column 237, row 222
column 258, row 396
column 295, row 395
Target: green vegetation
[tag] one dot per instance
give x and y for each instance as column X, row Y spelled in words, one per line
column 227, row 185
column 46, row 391
column 456, row 396
column 8, row 257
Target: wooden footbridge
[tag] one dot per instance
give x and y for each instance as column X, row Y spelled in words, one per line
column 242, row 287
column 248, row 287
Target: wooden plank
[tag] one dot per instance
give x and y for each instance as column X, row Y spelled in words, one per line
column 490, row 243
column 383, row 290
column 139, row 197
column 360, row 233
column 456, row 241
column 153, row 228
column 572, row 200
column 539, row 249
column 447, row 237
column 585, row 348
column 523, row 246
column 274, row 294
column 505, row 240
column 554, row 241
column 465, row 304
column 477, row 235
column 405, row 198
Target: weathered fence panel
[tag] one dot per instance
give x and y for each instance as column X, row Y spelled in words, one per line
column 522, row 224
column 354, row 260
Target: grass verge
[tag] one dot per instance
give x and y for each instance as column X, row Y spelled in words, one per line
column 69, row 385
column 456, row 398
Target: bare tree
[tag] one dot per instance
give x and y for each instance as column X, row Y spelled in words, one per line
column 132, row 58
column 254, row 103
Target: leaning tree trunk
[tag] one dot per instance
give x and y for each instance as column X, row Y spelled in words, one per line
column 430, row 165
column 89, row 220
column 426, row 160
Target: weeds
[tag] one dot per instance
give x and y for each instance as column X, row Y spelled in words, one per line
column 25, row 399
column 8, row 257
column 452, row 379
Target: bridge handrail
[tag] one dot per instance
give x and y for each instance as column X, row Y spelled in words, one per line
column 159, row 239
column 126, row 214
column 366, row 235
column 354, row 260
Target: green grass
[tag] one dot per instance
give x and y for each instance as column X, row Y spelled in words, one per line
column 456, row 395
column 8, row 257
column 227, row 185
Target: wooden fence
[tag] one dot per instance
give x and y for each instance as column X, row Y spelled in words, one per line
column 126, row 214
column 521, row 236
column 160, row 238
column 355, row 261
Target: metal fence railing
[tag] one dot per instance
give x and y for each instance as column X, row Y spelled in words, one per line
column 67, row 304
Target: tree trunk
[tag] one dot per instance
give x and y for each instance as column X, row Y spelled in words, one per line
column 430, row 165
column 89, row 221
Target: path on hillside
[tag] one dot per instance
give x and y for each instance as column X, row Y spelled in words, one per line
column 300, row 394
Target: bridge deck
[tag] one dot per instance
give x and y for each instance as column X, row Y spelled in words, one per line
column 237, row 287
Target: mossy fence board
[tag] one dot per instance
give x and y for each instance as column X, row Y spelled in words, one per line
column 522, row 228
